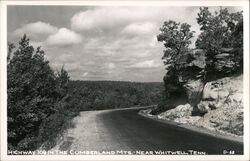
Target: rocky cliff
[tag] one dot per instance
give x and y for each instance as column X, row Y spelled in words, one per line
column 211, row 97
column 221, row 107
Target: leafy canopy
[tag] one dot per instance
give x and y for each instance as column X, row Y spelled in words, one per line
column 33, row 90
column 222, row 32
column 176, row 38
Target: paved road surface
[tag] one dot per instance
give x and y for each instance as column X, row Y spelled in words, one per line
column 126, row 130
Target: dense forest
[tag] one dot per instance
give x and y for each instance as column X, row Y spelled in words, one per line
column 41, row 102
column 99, row 95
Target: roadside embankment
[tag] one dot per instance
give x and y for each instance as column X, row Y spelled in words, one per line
column 221, row 109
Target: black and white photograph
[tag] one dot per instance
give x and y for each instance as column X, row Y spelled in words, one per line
column 114, row 80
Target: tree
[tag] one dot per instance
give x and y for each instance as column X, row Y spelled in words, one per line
column 31, row 91
column 62, row 79
column 11, row 46
column 222, row 32
column 176, row 38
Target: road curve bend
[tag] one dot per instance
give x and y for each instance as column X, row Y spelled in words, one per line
column 125, row 129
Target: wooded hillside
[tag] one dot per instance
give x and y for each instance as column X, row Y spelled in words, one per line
column 41, row 101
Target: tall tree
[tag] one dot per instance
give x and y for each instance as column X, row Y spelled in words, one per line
column 31, row 91
column 176, row 38
column 62, row 79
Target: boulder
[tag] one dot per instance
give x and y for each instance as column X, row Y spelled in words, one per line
column 214, row 91
column 178, row 112
column 203, row 107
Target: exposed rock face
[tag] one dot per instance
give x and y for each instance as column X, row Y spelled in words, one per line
column 221, row 103
column 227, row 118
column 226, row 61
column 221, row 92
column 178, row 112
column 193, row 76
column 194, row 90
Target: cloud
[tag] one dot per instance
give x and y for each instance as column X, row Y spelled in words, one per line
column 136, row 46
column 64, row 36
column 139, row 28
column 108, row 17
column 37, row 28
column 85, row 74
column 108, row 42
column 111, row 65
column 145, row 64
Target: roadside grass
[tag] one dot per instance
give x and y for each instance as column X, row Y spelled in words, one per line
column 53, row 128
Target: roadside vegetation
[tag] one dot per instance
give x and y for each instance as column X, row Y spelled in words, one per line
column 41, row 102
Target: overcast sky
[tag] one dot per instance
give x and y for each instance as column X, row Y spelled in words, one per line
column 100, row 43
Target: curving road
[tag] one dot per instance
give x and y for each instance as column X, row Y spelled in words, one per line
column 113, row 130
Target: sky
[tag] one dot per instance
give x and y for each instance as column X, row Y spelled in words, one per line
column 100, row 42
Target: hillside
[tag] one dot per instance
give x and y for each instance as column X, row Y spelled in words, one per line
column 221, row 107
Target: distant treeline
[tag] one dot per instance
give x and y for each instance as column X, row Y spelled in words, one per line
column 41, row 102
column 99, row 95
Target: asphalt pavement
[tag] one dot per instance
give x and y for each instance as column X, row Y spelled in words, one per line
column 125, row 130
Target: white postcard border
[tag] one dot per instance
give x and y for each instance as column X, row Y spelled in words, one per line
column 3, row 76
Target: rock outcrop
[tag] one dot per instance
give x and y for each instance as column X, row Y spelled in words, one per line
column 221, row 92
column 222, row 103
column 178, row 112
column 215, row 105
column 222, row 106
column 192, row 77
column 194, row 90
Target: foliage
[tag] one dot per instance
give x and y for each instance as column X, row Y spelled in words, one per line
column 33, row 91
column 222, row 39
column 219, row 52
column 11, row 46
column 176, row 38
column 99, row 95
column 42, row 102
